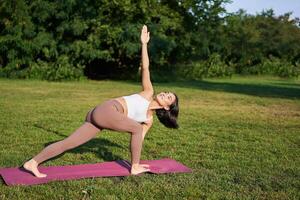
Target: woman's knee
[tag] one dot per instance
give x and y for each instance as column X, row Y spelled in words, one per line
column 136, row 129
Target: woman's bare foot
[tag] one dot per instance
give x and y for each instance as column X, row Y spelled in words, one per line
column 31, row 166
column 139, row 168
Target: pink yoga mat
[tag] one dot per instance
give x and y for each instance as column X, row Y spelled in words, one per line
column 19, row 176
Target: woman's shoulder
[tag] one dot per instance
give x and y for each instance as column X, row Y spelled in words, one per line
column 147, row 95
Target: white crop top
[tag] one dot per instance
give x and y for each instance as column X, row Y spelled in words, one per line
column 137, row 107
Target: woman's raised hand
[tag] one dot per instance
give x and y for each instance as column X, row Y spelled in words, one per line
column 145, row 35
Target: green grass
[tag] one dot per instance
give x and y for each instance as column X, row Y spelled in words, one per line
column 241, row 137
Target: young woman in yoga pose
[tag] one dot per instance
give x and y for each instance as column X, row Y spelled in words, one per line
column 132, row 114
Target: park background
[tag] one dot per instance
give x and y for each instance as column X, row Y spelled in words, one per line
column 236, row 75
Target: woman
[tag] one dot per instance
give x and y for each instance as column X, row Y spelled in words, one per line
column 132, row 114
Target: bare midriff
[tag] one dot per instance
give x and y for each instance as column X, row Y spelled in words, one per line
column 122, row 101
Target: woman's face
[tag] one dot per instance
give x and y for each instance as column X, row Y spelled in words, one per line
column 165, row 99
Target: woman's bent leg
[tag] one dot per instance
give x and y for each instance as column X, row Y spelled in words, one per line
column 83, row 134
column 136, row 144
column 108, row 116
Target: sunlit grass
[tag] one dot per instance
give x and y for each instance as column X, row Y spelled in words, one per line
column 241, row 137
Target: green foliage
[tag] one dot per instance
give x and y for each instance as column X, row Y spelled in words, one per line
column 212, row 67
column 263, row 43
column 192, row 71
column 101, row 38
column 217, row 67
column 58, row 71
column 274, row 66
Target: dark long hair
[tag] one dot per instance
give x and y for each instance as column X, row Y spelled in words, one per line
column 169, row 117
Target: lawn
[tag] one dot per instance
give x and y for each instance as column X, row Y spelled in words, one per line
column 241, row 137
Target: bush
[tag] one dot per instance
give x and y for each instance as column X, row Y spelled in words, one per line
column 274, row 66
column 217, row 67
column 14, row 69
column 60, row 70
column 193, row 70
column 213, row 67
column 287, row 69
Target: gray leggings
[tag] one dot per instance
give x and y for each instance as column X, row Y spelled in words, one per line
column 108, row 115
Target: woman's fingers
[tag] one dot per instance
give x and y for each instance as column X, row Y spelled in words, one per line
column 145, row 35
column 145, row 29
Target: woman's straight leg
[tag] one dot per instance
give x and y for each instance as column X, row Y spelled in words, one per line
column 83, row 134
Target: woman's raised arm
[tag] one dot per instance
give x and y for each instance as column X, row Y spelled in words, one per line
column 146, row 82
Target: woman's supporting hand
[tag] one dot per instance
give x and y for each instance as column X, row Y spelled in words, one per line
column 145, row 35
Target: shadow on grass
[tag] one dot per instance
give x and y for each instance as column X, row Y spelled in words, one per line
column 255, row 89
column 289, row 84
column 98, row 146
